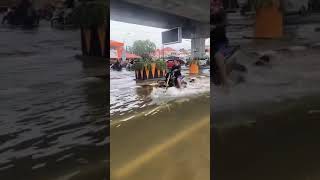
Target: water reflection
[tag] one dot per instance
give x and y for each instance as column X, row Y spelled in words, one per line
column 52, row 108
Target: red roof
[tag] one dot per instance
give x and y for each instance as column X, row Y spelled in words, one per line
column 116, row 44
column 131, row 56
column 164, row 50
column 168, row 49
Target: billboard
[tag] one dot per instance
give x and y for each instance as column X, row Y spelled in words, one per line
column 172, row 36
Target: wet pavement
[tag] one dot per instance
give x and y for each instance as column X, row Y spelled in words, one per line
column 52, row 107
column 157, row 133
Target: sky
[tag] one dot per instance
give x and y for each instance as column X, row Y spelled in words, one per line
column 128, row 33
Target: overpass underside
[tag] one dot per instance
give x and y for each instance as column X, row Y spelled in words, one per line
column 192, row 16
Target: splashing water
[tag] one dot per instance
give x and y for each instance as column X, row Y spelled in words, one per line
column 200, row 86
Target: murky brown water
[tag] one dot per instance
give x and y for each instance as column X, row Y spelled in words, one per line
column 172, row 143
column 157, row 133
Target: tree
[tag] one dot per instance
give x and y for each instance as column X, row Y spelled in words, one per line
column 129, row 49
column 143, row 48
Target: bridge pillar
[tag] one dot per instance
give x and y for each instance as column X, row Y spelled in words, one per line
column 198, row 47
column 198, row 38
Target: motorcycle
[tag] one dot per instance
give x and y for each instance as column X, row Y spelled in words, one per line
column 61, row 18
column 25, row 18
column 116, row 66
column 171, row 81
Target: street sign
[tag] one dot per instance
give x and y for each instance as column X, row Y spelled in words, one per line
column 172, row 36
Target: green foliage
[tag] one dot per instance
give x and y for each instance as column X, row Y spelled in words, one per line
column 138, row 65
column 90, row 14
column 161, row 64
column 143, row 48
column 129, row 50
column 147, row 64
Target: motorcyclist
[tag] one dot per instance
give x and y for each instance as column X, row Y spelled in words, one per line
column 117, row 66
column 176, row 72
column 63, row 13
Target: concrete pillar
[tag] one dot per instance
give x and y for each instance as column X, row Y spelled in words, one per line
column 198, row 40
column 198, row 47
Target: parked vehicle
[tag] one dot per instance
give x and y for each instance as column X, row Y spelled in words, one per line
column 21, row 16
column 296, row 6
column 203, row 62
column 61, row 18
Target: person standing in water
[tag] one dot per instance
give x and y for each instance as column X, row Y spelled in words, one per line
column 220, row 42
column 8, row 16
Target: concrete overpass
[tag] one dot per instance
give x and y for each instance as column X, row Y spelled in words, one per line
column 192, row 15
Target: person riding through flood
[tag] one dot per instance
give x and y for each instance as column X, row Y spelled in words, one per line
column 117, row 66
column 176, row 72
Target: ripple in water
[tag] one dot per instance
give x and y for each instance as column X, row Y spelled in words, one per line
column 50, row 109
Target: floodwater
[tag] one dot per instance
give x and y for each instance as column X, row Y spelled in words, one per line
column 52, row 107
column 129, row 97
column 157, row 133
column 279, row 141
column 268, row 126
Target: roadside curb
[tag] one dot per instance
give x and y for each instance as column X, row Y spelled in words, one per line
column 295, row 48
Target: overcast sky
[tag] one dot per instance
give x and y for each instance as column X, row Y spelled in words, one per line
column 128, row 33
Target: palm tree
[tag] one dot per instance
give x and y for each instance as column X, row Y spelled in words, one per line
column 91, row 17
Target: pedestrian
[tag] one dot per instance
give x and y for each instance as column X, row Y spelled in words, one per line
column 7, row 16
column 220, row 42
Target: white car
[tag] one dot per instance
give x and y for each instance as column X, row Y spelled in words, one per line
column 203, row 62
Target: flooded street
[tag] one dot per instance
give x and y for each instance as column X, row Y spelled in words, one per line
column 52, row 107
column 279, row 141
column 127, row 97
column 159, row 134
column 268, row 126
